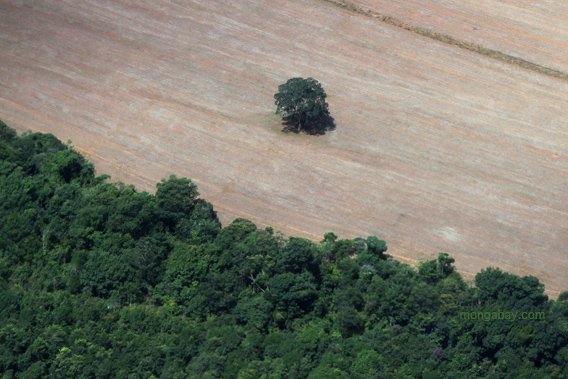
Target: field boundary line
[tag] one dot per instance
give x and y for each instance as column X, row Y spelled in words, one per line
column 450, row 40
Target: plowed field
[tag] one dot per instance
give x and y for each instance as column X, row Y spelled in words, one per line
column 536, row 31
column 436, row 148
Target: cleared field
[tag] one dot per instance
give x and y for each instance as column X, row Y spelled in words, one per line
column 536, row 31
column 436, row 148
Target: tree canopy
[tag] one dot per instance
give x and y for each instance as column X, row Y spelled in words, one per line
column 99, row 280
column 302, row 103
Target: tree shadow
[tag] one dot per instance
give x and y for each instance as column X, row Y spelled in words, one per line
column 318, row 127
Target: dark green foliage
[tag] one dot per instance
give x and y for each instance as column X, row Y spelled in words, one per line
column 301, row 99
column 329, row 237
column 349, row 321
column 98, row 280
column 510, row 289
column 6, row 133
column 445, row 264
column 435, row 270
column 299, row 255
column 202, row 225
column 563, row 296
column 176, row 198
column 335, row 251
column 370, row 251
column 292, row 295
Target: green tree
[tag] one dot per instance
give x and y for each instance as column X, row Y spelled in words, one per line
column 302, row 101
column 297, row 256
column 6, row 133
column 176, row 198
column 445, row 263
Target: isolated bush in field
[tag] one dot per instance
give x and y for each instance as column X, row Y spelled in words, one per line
column 302, row 104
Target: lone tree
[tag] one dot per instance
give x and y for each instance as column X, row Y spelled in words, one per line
column 301, row 102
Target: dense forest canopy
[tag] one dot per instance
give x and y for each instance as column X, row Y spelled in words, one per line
column 98, row 280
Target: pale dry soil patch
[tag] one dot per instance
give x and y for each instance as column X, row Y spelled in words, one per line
column 437, row 149
column 536, row 31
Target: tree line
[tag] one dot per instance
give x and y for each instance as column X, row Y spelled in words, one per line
column 99, row 280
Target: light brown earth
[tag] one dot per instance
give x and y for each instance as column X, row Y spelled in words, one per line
column 436, row 148
column 536, row 31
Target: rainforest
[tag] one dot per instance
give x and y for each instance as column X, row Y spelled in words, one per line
column 99, row 280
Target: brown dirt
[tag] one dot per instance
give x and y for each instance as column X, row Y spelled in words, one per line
column 446, row 38
column 436, row 148
column 536, row 31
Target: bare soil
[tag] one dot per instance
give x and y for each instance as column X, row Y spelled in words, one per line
column 536, row 31
column 436, row 149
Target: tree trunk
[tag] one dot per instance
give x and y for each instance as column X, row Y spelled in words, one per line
column 300, row 121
